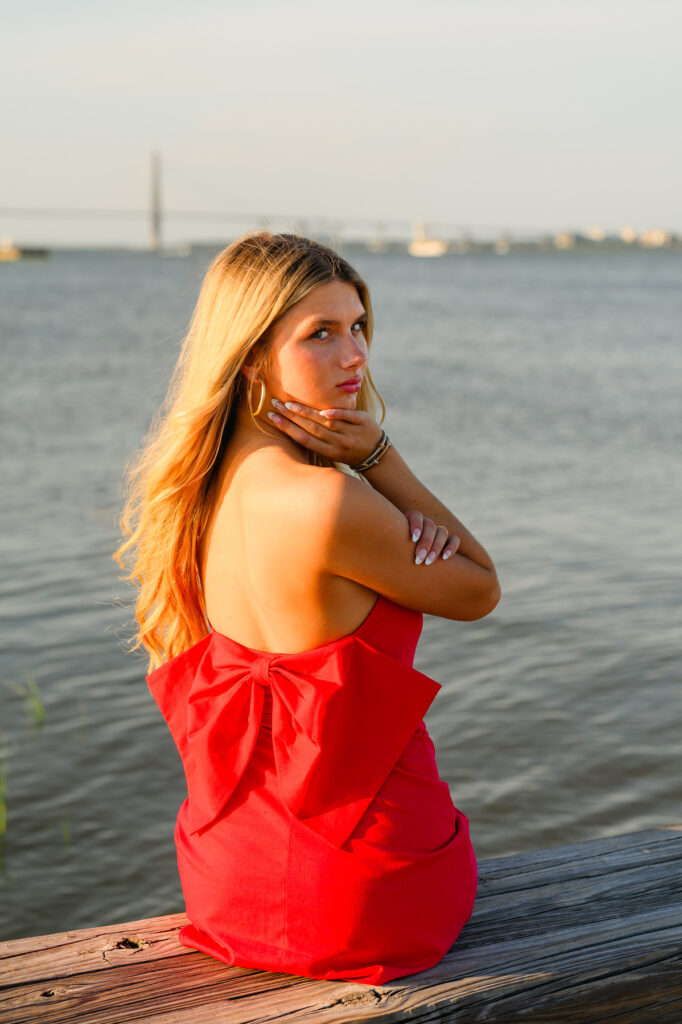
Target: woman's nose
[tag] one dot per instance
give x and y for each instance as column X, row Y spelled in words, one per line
column 355, row 352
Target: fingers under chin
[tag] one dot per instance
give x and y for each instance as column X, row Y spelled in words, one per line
column 341, row 413
column 299, row 434
column 309, row 420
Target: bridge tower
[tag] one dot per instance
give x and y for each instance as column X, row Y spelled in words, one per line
column 156, row 202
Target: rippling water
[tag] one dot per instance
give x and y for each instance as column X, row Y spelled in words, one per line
column 537, row 394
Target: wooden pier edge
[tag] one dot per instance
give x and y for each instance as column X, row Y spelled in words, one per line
column 590, row 932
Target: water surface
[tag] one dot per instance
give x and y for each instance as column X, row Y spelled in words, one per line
column 536, row 394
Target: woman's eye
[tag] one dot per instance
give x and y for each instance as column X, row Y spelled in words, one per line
column 359, row 325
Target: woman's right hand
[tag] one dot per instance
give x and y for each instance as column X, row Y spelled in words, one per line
column 342, row 435
column 431, row 540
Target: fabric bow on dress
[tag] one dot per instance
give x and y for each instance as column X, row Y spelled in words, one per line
column 342, row 714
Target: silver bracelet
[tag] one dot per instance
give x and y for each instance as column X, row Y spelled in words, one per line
column 375, row 456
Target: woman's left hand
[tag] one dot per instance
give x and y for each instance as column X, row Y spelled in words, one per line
column 432, row 540
column 342, row 435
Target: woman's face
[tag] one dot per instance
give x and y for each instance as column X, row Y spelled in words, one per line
column 317, row 346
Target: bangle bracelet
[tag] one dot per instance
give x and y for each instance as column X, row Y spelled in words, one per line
column 375, row 456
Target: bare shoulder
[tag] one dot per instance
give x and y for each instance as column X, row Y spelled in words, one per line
column 316, row 496
column 304, row 498
column 345, row 511
column 361, row 536
column 325, row 507
column 324, row 494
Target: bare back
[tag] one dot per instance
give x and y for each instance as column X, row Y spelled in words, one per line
column 261, row 564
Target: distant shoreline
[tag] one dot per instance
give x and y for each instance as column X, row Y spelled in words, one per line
column 183, row 250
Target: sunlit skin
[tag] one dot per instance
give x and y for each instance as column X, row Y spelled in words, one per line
column 282, row 597
column 308, row 359
column 315, row 346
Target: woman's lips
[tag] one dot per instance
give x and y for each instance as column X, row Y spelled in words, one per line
column 351, row 386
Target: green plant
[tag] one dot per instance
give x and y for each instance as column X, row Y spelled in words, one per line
column 33, row 704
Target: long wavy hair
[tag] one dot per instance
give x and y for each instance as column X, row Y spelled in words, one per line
column 170, row 481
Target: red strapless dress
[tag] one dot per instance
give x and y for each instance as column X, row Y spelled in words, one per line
column 317, row 838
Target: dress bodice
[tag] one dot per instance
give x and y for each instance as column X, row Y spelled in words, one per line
column 341, row 713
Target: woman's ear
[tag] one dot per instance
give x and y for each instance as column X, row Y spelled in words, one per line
column 255, row 362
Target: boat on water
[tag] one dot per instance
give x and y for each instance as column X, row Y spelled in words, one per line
column 422, row 245
column 10, row 253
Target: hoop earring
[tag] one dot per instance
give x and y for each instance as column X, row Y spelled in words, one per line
column 262, row 396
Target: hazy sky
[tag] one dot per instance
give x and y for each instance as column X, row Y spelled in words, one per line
column 518, row 113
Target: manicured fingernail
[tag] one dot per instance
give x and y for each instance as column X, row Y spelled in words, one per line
column 446, row 554
column 274, row 418
column 430, row 558
column 421, row 555
column 416, row 534
column 293, row 406
column 276, row 402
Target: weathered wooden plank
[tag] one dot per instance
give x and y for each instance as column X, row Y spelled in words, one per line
column 69, row 953
column 587, row 932
column 631, row 846
column 509, row 974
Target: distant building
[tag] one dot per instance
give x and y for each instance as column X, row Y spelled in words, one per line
column 627, row 235
column 654, row 238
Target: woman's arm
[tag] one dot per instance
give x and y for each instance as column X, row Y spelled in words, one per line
column 359, row 534
column 348, row 436
column 393, row 478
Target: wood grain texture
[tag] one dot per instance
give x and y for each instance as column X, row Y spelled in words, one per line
column 588, row 933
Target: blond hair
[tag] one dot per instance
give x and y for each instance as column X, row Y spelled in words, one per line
column 247, row 288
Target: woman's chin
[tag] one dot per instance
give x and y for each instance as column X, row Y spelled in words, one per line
column 345, row 399
column 335, row 399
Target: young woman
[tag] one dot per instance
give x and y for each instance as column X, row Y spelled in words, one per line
column 284, row 554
